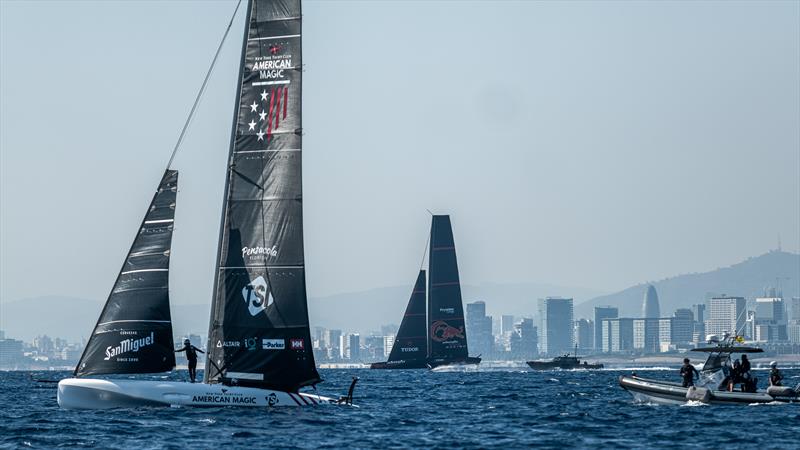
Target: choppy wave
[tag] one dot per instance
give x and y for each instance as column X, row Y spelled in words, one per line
column 403, row 409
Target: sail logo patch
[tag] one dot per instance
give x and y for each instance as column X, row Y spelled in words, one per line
column 409, row 349
column 129, row 345
column 442, row 332
column 447, row 310
column 257, row 296
column 269, row 251
column 273, row 344
column 297, row 344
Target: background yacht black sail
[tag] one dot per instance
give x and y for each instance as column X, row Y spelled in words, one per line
column 134, row 331
column 447, row 332
column 258, row 333
column 410, row 349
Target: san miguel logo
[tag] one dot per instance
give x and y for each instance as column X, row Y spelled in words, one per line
column 257, row 296
column 129, row 345
column 441, row 331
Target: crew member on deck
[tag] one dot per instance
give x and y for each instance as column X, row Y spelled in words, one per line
column 688, row 372
column 775, row 376
column 191, row 355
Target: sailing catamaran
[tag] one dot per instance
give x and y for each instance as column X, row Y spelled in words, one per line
column 441, row 340
column 259, row 347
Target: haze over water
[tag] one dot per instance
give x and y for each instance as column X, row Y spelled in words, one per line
column 593, row 145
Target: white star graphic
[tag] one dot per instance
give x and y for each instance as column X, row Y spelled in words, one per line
column 264, row 95
column 254, row 107
column 262, row 114
column 260, row 135
column 252, row 125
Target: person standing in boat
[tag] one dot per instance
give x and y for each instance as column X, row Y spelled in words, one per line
column 775, row 376
column 688, row 372
column 191, row 356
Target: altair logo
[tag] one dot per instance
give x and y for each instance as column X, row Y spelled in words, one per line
column 129, row 345
column 257, row 296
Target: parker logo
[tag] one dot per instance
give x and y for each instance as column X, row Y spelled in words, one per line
column 273, row 344
column 447, row 310
column 441, row 331
column 297, row 344
column 129, row 345
column 257, row 296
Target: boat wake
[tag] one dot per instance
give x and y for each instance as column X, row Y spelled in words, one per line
column 694, row 403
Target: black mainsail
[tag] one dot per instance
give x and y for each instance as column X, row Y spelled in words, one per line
column 134, row 331
column 446, row 329
column 410, row 348
column 258, row 332
column 443, row 332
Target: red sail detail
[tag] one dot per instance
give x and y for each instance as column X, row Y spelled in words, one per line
column 285, row 100
column 269, row 113
column 278, row 109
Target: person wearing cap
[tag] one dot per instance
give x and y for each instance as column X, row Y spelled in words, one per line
column 775, row 376
column 688, row 372
column 191, row 356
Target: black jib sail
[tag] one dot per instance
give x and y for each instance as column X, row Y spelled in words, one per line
column 258, row 332
column 134, row 331
column 447, row 333
column 410, row 345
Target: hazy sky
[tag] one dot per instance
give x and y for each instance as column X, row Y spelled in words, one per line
column 581, row 144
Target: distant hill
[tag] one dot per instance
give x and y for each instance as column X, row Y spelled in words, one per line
column 745, row 279
column 364, row 311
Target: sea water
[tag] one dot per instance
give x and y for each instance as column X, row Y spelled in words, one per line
column 484, row 408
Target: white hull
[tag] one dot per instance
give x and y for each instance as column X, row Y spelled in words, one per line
column 87, row 393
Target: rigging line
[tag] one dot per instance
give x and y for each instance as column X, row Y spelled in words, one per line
column 425, row 252
column 202, row 87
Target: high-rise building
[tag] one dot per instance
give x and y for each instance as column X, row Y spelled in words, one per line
column 523, row 342
column 682, row 326
column 699, row 332
column 666, row 334
column 354, row 346
column 770, row 320
column 725, row 315
column 600, row 313
column 794, row 308
column 10, row 353
column 479, row 337
column 388, row 342
column 556, row 330
column 650, row 307
column 332, row 338
column 506, row 323
column 645, row 335
column 617, row 335
column 584, row 335
column 373, row 348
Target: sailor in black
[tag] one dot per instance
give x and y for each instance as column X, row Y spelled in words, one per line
column 775, row 376
column 191, row 355
column 688, row 372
